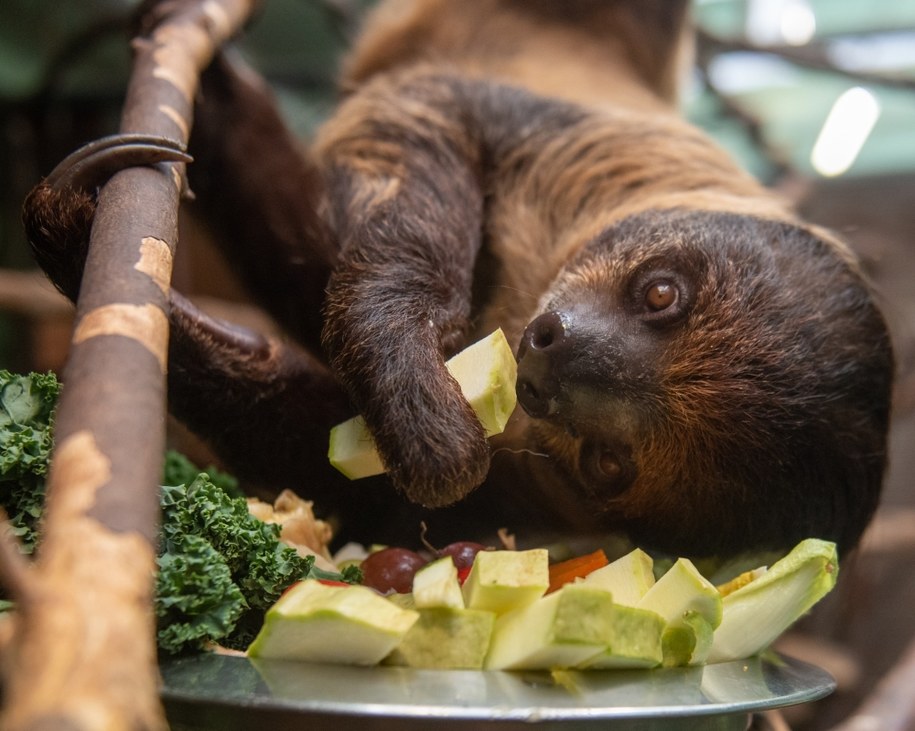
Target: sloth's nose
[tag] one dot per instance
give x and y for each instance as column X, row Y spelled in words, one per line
column 545, row 347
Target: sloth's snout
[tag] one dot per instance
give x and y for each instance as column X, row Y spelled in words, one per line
column 546, row 347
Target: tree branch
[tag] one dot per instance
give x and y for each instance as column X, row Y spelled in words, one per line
column 83, row 654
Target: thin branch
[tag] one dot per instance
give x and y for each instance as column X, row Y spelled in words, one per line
column 812, row 56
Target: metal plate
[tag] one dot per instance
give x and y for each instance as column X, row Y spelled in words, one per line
column 225, row 692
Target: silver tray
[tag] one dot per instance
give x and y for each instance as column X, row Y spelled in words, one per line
column 226, row 692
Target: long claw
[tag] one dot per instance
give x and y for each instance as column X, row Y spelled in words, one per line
column 93, row 163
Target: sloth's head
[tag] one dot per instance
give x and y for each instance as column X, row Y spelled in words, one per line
column 711, row 382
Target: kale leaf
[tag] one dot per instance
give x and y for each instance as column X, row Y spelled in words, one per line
column 26, row 425
column 220, row 568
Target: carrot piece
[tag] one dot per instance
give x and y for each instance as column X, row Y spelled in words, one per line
column 565, row 571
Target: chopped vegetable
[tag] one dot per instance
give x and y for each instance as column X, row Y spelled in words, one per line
column 560, row 630
column 486, row 372
column 758, row 612
column 628, row 578
column 318, row 623
column 237, row 568
column 500, row 581
column 575, row 568
column 451, row 638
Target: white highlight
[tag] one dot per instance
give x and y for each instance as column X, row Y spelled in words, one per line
column 846, row 129
column 777, row 22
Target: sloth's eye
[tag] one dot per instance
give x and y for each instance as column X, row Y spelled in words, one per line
column 660, row 295
column 609, row 465
column 609, row 469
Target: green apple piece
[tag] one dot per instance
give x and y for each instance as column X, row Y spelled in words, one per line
column 564, row 629
column 486, row 371
column 352, row 450
column 680, row 590
column 436, row 585
column 500, row 581
column 446, row 638
column 628, row 578
column 757, row 613
column 315, row 622
column 634, row 639
column 687, row 641
column 691, row 607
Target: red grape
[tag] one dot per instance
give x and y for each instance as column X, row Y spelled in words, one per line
column 391, row 569
column 462, row 552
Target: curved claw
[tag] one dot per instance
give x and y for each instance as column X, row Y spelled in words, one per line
column 92, row 164
column 58, row 212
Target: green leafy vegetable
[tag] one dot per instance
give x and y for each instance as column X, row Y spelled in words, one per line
column 219, row 567
column 179, row 470
column 26, row 423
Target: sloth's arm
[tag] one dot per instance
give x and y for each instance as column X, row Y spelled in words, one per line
column 264, row 406
column 403, row 168
column 259, row 190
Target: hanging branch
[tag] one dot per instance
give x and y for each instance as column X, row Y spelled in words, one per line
column 812, row 56
column 82, row 653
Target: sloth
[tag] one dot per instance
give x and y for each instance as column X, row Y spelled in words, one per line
column 699, row 369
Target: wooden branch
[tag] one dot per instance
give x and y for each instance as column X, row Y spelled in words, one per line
column 83, row 653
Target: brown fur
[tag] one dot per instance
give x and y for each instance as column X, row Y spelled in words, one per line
column 564, row 123
column 521, row 164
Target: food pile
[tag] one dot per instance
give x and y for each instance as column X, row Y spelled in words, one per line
column 512, row 610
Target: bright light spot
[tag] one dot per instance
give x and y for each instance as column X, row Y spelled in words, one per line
column 847, row 127
column 743, row 73
column 798, row 24
column 776, row 22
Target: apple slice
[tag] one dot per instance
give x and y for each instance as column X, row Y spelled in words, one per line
column 575, row 626
column 486, row 372
column 500, row 581
column 446, row 638
column 314, row 622
column 436, row 585
column 628, row 578
column 691, row 607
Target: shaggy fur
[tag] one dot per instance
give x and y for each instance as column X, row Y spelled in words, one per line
column 698, row 368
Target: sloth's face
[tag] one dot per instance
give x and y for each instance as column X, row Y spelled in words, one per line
column 687, row 376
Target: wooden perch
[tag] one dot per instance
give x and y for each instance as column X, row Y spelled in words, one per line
column 82, row 654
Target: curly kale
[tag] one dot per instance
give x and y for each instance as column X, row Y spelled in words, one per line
column 26, row 426
column 179, row 470
column 219, row 568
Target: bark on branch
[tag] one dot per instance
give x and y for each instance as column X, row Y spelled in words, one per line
column 82, row 654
